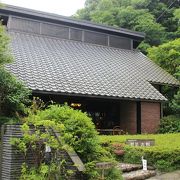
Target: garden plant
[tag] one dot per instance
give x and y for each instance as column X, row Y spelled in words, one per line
column 76, row 130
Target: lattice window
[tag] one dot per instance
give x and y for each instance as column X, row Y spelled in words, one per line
column 55, row 30
column 24, row 25
column 119, row 42
column 76, row 34
column 95, row 38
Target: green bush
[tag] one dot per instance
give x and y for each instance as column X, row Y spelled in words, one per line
column 14, row 95
column 132, row 155
column 175, row 104
column 82, row 135
column 8, row 120
column 163, row 165
column 169, row 124
column 79, row 133
column 113, row 174
column 163, row 160
column 165, row 155
column 4, row 120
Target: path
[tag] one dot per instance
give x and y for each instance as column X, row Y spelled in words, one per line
column 167, row 176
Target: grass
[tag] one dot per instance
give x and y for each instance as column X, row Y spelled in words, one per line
column 162, row 141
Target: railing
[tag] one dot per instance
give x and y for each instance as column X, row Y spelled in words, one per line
column 113, row 131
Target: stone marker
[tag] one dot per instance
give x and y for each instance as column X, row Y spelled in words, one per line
column 140, row 142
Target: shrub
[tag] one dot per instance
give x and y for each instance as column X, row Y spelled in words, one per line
column 9, row 120
column 169, row 124
column 79, row 133
column 82, row 135
column 176, row 101
column 163, row 165
column 113, row 174
column 163, row 160
column 13, row 94
column 36, row 137
column 132, row 155
column 165, row 155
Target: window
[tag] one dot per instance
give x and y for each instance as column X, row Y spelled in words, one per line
column 76, row 34
column 119, row 42
column 55, row 30
column 24, row 25
column 95, row 38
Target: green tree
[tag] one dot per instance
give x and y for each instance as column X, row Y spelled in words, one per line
column 157, row 18
column 130, row 18
column 167, row 56
column 13, row 94
column 5, row 55
column 176, row 103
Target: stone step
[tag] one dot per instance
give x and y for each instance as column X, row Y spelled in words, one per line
column 125, row 167
column 139, row 174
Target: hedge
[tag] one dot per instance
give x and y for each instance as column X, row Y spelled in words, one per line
column 165, row 155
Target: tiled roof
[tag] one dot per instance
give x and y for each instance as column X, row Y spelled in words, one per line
column 24, row 12
column 63, row 66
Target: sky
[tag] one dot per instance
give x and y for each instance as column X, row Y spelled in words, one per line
column 61, row 7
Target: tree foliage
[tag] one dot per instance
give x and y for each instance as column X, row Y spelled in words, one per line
column 80, row 129
column 75, row 130
column 176, row 103
column 167, row 56
column 169, row 124
column 5, row 55
column 13, row 93
column 157, row 18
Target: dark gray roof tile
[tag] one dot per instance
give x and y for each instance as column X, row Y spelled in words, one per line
column 51, row 64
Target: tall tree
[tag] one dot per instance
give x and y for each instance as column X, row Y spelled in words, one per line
column 13, row 94
column 167, row 56
column 156, row 18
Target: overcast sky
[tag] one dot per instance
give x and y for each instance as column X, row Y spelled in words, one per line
column 62, row 7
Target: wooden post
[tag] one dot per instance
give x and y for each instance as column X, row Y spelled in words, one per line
column 138, row 116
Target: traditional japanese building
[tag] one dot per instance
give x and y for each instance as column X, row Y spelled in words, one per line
column 92, row 67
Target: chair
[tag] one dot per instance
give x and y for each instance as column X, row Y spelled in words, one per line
column 117, row 130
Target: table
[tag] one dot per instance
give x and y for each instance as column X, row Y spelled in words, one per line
column 110, row 131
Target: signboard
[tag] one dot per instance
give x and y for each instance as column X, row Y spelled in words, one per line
column 140, row 142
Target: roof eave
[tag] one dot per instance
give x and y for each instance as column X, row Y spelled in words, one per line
column 94, row 96
column 175, row 85
column 29, row 13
